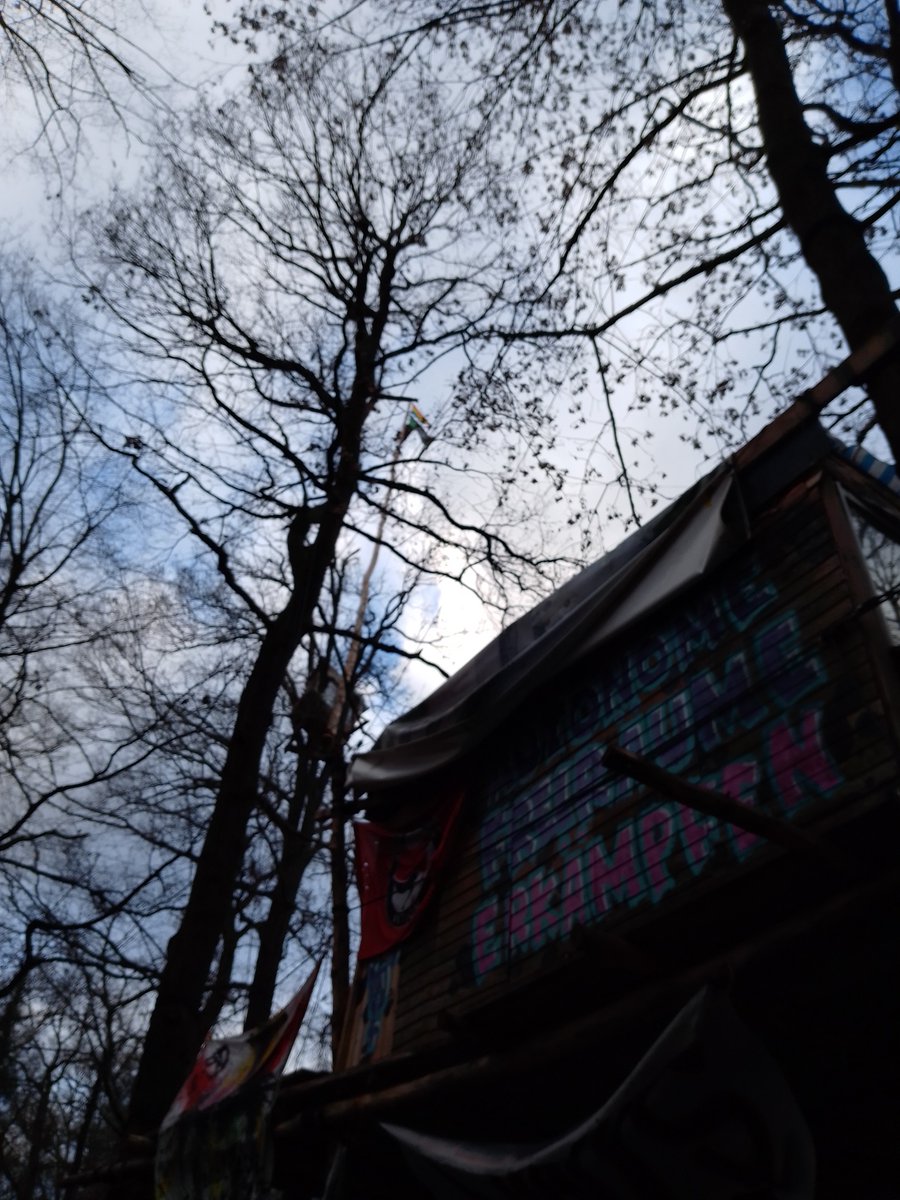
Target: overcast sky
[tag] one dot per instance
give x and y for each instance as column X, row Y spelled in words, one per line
column 171, row 43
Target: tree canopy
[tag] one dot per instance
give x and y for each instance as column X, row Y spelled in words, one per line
column 716, row 213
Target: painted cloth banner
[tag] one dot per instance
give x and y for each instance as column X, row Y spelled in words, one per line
column 221, row 1153
column 397, row 874
column 213, row 1140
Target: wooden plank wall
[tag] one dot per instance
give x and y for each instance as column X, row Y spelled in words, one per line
column 753, row 683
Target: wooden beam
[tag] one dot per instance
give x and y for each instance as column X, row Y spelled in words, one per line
column 724, row 808
column 849, row 371
column 853, row 368
column 108, row 1174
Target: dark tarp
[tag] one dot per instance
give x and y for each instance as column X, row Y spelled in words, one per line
column 670, row 552
column 706, row 1115
column 646, row 570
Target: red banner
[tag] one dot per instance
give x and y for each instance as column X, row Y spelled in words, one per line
column 397, row 872
column 224, row 1066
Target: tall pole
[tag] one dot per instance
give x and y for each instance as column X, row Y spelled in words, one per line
column 340, row 953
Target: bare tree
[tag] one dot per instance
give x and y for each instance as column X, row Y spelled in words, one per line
column 75, row 904
column 292, row 268
column 57, row 505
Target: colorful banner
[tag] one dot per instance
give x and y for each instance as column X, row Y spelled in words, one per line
column 397, row 873
column 222, row 1153
column 213, row 1140
column 416, row 422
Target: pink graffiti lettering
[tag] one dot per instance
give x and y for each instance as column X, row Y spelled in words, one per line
column 699, row 837
column 640, row 860
column 544, row 901
column 739, row 781
column 519, row 927
column 657, row 833
column 485, row 939
column 794, row 757
column 614, row 877
column 574, row 900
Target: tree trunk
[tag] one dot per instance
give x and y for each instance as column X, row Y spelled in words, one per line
column 40, row 1136
column 854, row 288
column 296, row 855
column 175, row 1031
column 174, row 1034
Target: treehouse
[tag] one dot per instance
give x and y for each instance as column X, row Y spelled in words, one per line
column 629, row 878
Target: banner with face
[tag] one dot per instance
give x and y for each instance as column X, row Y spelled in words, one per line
column 397, row 872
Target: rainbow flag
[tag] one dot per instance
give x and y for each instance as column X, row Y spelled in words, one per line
column 417, row 422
